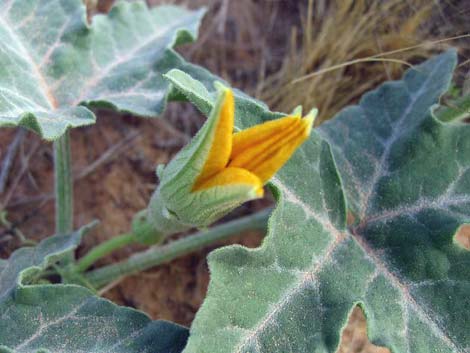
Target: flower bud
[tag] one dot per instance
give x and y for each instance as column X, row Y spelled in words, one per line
column 219, row 169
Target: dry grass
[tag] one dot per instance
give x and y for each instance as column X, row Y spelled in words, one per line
column 335, row 33
column 282, row 51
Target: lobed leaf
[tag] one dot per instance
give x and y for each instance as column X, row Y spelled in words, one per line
column 406, row 178
column 53, row 64
column 68, row 318
column 408, row 181
column 26, row 262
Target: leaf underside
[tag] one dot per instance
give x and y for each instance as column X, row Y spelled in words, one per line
column 68, row 318
column 53, row 64
column 406, row 179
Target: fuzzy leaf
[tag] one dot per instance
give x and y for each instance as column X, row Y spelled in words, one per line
column 407, row 180
column 69, row 318
column 196, row 85
column 457, row 110
column 364, row 136
column 51, row 61
column 25, row 263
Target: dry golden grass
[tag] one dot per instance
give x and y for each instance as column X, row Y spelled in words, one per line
column 335, row 33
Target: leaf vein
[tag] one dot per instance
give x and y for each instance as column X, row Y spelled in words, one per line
column 397, row 283
column 395, row 135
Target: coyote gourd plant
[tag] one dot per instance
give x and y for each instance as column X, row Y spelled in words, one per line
column 401, row 174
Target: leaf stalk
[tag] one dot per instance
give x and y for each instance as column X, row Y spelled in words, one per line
column 63, row 183
column 162, row 254
column 104, row 249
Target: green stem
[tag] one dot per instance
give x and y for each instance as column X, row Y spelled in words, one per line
column 457, row 110
column 158, row 255
column 63, row 185
column 102, row 250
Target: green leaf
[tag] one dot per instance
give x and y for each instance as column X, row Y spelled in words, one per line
column 407, row 180
column 196, row 85
column 51, row 61
column 69, row 318
column 27, row 262
column 364, row 136
column 457, row 110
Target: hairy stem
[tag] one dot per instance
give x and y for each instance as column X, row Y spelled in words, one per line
column 162, row 254
column 63, row 185
column 104, row 249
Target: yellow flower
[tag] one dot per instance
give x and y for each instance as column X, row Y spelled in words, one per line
column 251, row 156
column 219, row 169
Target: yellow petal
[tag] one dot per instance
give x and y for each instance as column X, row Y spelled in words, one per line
column 233, row 176
column 259, row 134
column 221, row 146
column 265, row 148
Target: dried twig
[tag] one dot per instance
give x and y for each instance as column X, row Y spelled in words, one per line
column 108, row 155
column 180, row 138
column 20, row 174
column 9, row 157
